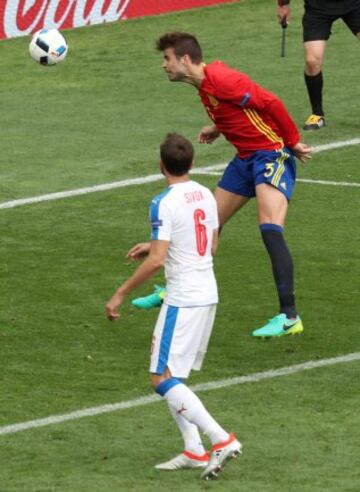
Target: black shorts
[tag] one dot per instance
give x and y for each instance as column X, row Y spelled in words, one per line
column 320, row 14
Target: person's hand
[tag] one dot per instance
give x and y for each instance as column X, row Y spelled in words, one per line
column 138, row 251
column 208, row 134
column 302, row 152
column 283, row 14
column 112, row 306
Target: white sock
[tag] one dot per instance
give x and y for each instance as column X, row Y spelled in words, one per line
column 189, row 432
column 189, row 406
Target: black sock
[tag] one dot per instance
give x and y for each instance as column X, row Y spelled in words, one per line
column 314, row 84
column 282, row 266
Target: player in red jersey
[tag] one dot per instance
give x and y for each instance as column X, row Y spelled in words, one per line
column 266, row 139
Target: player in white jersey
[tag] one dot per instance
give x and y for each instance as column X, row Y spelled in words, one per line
column 184, row 229
column 185, row 215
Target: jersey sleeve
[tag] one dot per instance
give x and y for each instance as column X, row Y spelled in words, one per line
column 237, row 88
column 279, row 114
column 161, row 221
column 269, row 104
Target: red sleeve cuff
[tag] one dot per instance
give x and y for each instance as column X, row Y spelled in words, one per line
column 292, row 142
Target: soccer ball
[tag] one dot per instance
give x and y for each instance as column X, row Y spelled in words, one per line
column 48, row 47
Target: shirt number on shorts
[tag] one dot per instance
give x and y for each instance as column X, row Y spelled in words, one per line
column 269, row 169
column 200, row 231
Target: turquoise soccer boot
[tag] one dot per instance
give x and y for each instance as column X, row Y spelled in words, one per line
column 279, row 326
column 153, row 300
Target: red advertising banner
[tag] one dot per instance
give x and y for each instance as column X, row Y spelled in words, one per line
column 23, row 17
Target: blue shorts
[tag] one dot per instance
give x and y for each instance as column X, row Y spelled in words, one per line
column 274, row 167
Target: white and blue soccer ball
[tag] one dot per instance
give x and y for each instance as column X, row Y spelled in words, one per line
column 48, row 47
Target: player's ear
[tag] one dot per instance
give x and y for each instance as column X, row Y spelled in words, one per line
column 186, row 59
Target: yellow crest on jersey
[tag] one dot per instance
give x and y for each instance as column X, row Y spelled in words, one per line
column 213, row 101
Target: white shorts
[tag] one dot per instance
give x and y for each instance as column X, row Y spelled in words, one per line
column 180, row 339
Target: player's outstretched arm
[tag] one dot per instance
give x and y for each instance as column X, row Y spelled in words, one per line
column 302, row 152
column 283, row 11
column 152, row 264
column 138, row 251
column 208, row 134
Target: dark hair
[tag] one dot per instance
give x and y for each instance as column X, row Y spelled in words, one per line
column 182, row 43
column 177, row 154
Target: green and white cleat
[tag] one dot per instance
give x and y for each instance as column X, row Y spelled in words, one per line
column 153, row 300
column 184, row 461
column 279, row 326
column 221, row 454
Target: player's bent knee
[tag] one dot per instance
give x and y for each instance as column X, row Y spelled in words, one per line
column 154, row 383
column 157, row 379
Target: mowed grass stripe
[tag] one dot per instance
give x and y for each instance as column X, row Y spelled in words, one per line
column 146, row 400
column 156, row 177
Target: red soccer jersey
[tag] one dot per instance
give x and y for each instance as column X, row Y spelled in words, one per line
column 248, row 116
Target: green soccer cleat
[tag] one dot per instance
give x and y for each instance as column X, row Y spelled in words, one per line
column 278, row 326
column 153, row 300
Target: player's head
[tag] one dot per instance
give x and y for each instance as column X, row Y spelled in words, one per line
column 182, row 43
column 181, row 50
column 177, row 155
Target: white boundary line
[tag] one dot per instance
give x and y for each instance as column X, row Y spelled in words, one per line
column 330, row 183
column 146, row 400
column 336, row 145
column 156, row 177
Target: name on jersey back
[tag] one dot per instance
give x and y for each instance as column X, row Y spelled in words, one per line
column 194, row 196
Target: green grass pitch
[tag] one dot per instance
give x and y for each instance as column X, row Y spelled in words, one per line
column 99, row 117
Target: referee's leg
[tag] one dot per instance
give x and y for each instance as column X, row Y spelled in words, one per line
column 314, row 52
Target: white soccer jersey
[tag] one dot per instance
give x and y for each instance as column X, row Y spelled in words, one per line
column 186, row 216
